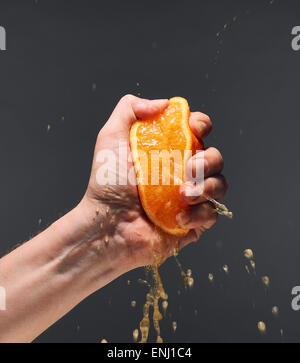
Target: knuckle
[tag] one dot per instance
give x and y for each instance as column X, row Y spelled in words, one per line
column 202, row 117
column 215, row 189
column 127, row 98
column 218, row 157
column 197, row 115
column 215, row 151
column 99, row 136
column 208, row 121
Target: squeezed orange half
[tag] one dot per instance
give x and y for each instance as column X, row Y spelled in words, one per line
column 160, row 148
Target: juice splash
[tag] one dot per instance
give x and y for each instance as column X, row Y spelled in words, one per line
column 265, row 281
column 156, row 291
column 187, row 276
column 153, row 296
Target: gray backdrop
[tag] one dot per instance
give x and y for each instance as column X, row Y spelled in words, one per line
column 246, row 79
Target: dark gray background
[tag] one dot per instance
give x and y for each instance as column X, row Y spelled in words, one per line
column 58, row 49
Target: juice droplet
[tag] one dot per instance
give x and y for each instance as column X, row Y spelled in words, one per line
column 281, row 332
column 145, row 322
column 247, row 269
column 144, row 282
column 187, row 276
column 226, row 269
column 253, row 265
column 190, row 282
column 261, row 326
column 174, row 326
column 248, row 254
column 275, row 310
column 176, row 251
column 133, row 303
column 128, row 282
column 48, row 127
column 106, row 238
column 165, row 306
column 135, row 335
column 103, row 341
column 159, row 339
column 266, row 281
column 210, row 277
column 40, row 221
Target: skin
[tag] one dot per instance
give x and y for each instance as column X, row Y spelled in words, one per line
column 106, row 235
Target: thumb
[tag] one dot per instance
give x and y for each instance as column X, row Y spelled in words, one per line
column 130, row 109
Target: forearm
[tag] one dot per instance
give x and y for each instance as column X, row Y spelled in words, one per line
column 47, row 276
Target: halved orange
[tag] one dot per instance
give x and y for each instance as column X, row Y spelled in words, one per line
column 167, row 136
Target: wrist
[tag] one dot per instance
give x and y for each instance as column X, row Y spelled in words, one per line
column 90, row 246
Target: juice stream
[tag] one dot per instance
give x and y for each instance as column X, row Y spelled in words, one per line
column 157, row 292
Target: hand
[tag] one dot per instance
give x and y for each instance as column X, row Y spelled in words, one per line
column 121, row 214
column 106, row 235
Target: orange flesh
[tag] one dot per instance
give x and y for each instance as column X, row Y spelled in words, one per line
column 166, row 131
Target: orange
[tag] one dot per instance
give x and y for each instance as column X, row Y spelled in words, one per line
column 154, row 143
